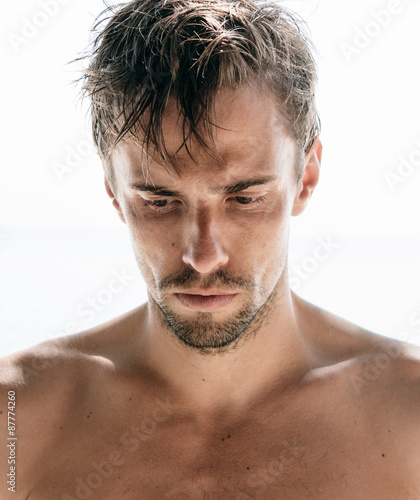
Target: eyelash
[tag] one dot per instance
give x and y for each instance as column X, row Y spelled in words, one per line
column 256, row 200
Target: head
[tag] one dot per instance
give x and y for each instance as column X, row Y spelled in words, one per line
column 204, row 117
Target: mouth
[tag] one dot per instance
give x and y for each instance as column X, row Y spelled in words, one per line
column 205, row 300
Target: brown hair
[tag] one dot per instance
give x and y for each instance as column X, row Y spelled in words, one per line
column 152, row 50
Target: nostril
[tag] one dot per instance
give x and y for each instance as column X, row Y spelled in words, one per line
column 206, row 258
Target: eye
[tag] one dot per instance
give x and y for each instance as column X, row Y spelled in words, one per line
column 250, row 200
column 159, row 205
column 245, row 200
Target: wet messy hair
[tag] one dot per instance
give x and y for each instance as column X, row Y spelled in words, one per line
column 145, row 52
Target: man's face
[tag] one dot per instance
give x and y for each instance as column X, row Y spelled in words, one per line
column 211, row 242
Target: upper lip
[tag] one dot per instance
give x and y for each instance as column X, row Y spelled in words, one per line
column 206, row 291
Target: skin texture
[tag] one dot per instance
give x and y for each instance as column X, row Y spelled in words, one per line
column 266, row 397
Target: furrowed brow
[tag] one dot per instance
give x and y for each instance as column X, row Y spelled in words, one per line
column 233, row 188
column 157, row 190
column 242, row 185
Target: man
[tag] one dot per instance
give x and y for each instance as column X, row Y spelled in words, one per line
column 225, row 384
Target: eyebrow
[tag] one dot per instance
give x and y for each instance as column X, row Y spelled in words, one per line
column 233, row 188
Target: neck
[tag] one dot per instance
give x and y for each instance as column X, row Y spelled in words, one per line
column 269, row 355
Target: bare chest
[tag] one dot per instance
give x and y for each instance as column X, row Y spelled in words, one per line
column 160, row 456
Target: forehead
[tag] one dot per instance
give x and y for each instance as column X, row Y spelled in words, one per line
column 250, row 137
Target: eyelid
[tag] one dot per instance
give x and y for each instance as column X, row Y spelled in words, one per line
column 153, row 196
column 243, row 194
column 250, row 194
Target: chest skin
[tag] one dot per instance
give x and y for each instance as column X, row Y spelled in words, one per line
column 315, row 442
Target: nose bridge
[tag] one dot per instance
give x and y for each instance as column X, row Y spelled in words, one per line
column 204, row 247
column 204, row 230
column 204, row 221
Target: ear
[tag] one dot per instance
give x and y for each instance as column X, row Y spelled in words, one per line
column 114, row 199
column 309, row 179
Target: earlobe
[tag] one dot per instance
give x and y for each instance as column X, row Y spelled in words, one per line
column 114, row 199
column 309, row 179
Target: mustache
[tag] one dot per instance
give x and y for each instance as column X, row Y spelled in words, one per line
column 190, row 277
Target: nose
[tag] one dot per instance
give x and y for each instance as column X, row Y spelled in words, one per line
column 204, row 250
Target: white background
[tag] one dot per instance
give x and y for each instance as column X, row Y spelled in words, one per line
column 61, row 242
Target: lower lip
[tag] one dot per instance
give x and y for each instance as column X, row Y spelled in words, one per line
column 205, row 302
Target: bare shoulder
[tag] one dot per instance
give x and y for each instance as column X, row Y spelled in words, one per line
column 336, row 340
column 42, row 364
column 62, row 365
column 379, row 378
column 64, row 361
column 33, row 385
column 40, row 375
column 381, row 368
column 47, row 387
column 386, row 387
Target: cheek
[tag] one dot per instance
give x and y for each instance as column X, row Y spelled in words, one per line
column 265, row 232
column 156, row 243
column 269, row 242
